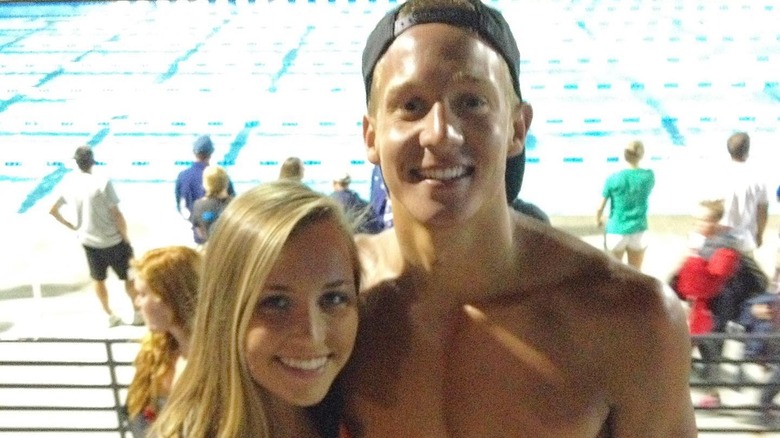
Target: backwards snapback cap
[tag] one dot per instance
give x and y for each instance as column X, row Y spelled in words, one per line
column 487, row 22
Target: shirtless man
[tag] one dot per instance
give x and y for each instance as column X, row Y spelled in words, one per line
column 479, row 321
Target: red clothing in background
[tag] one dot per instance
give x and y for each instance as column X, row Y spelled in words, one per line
column 700, row 280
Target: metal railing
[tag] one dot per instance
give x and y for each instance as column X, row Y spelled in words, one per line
column 738, row 381
column 78, row 387
column 65, row 387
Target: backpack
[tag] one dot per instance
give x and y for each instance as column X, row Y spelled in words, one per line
column 748, row 282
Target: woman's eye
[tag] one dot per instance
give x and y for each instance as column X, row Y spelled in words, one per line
column 276, row 302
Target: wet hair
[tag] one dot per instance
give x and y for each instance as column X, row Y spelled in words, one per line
column 738, row 146
column 172, row 274
column 292, row 168
column 216, row 395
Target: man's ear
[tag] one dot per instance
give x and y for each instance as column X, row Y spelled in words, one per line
column 369, row 138
column 522, row 116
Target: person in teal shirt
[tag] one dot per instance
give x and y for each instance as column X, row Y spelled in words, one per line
column 627, row 192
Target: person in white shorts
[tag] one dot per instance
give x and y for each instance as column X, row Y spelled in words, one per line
column 627, row 192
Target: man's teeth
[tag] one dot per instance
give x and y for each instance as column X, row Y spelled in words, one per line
column 443, row 174
column 305, row 364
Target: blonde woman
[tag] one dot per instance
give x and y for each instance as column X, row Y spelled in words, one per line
column 627, row 193
column 292, row 168
column 276, row 322
column 207, row 209
column 167, row 290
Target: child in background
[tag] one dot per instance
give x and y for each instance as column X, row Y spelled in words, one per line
column 704, row 273
column 276, row 322
column 713, row 260
column 207, row 209
column 167, row 290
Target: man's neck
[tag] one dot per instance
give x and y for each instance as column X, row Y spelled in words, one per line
column 466, row 260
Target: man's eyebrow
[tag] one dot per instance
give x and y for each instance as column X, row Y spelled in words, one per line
column 395, row 87
column 464, row 76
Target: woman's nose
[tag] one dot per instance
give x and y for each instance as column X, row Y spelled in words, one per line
column 311, row 323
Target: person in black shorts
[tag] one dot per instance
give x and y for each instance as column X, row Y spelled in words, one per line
column 100, row 226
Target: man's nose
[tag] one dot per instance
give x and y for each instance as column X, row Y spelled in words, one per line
column 440, row 127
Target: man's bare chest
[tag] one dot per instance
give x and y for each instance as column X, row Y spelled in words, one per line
column 472, row 376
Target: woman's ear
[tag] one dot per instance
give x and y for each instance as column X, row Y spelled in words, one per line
column 369, row 138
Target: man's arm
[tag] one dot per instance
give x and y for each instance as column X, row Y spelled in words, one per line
column 177, row 192
column 119, row 220
column 55, row 211
column 652, row 396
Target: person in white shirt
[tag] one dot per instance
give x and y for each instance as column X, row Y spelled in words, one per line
column 746, row 200
column 100, row 226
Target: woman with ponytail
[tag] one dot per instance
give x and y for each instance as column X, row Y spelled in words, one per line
column 167, row 281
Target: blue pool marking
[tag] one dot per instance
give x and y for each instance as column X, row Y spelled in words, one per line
column 772, row 90
column 289, row 59
column 6, row 103
column 236, row 146
column 173, row 69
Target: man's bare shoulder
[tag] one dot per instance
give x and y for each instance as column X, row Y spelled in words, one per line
column 379, row 257
column 548, row 256
column 561, row 269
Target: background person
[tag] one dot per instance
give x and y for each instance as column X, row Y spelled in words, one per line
column 292, row 168
column 100, row 228
column 189, row 182
column 167, row 282
column 379, row 200
column 745, row 195
column 263, row 357
column 207, row 209
column 357, row 209
column 627, row 193
column 761, row 315
column 702, row 277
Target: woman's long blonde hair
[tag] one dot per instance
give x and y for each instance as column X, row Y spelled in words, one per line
column 172, row 274
column 216, row 396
